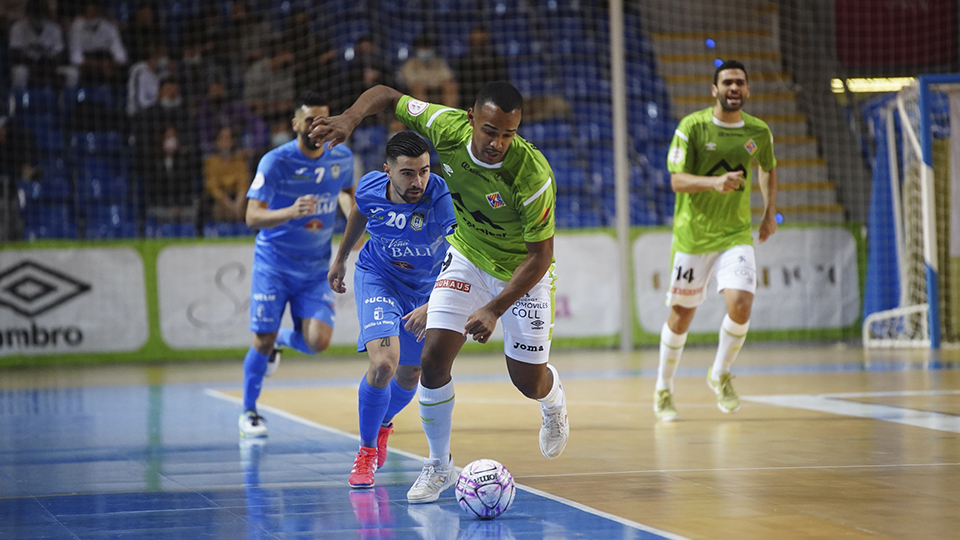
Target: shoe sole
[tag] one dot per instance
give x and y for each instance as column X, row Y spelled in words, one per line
column 727, row 411
column 257, row 436
column 362, row 486
column 670, row 418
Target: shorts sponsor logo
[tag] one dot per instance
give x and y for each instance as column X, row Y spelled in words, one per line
column 261, row 297
column 525, row 347
column 686, row 292
column 378, row 300
column 416, row 107
column 495, row 200
column 452, row 284
column 30, row 289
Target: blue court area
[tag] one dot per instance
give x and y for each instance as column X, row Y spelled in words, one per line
column 165, row 462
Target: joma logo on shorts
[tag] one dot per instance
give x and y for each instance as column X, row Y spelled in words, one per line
column 523, row 347
column 452, row 284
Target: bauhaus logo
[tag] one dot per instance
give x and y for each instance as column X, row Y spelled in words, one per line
column 32, row 289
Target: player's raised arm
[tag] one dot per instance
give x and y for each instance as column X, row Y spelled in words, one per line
column 336, row 129
column 259, row 216
column 356, row 224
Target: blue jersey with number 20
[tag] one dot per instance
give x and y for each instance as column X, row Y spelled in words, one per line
column 407, row 240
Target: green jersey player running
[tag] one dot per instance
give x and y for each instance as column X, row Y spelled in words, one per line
column 710, row 160
column 499, row 266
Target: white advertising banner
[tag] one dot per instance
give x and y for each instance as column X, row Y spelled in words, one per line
column 806, row 279
column 56, row 301
column 204, row 297
column 588, row 285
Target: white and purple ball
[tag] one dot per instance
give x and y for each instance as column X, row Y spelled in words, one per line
column 485, row 489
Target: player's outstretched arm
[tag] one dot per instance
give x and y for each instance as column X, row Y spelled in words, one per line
column 481, row 323
column 682, row 182
column 336, row 129
column 356, row 224
column 768, row 187
column 259, row 216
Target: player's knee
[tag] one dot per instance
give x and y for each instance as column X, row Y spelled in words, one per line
column 407, row 376
column 264, row 343
column 740, row 310
column 318, row 344
column 381, row 373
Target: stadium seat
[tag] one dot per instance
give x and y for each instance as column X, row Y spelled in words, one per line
column 105, row 221
column 35, row 100
column 154, row 229
column 547, row 132
column 101, row 95
column 49, row 190
column 48, row 221
column 570, row 177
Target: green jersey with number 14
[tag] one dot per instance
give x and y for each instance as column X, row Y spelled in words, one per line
column 499, row 207
column 710, row 221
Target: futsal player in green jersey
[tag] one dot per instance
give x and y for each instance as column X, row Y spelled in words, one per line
column 710, row 161
column 499, row 265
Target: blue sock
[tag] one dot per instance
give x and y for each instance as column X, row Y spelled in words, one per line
column 254, row 366
column 373, row 404
column 291, row 338
column 399, row 398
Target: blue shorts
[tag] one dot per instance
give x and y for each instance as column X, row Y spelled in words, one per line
column 380, row 308
column 271, row 290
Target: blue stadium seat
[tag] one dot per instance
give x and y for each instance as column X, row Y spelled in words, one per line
column 225, row 229
column 547, row 132
column 102, row 180
column 104, row 221
column 153, row 229
column 561, row 155
column 48, row 221
column 97, row 94
column 96, row 143
column 575, row 211
column 642, row 210
column 570, row 177
column 35, row 100
column 49, row 190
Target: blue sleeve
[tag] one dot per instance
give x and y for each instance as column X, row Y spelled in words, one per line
column 262, row 187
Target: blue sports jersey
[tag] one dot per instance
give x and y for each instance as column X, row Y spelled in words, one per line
column 407, row 241
column 301, row 245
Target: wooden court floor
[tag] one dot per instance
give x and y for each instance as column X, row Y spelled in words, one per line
column 829, row 442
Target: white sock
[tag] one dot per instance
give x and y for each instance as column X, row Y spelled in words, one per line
column 732, row 336
column 555, row 398
column 436, row 413
column 671, row 347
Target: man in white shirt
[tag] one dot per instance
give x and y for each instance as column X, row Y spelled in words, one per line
column 95, row 47
column 143, row 87
column 36, row 47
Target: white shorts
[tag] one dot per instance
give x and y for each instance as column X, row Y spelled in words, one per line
column 736, row 268
column 462, row 288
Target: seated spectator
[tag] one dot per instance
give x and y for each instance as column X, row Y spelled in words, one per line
column 171, row 180
column 168, row 110
column 36, row 47
column 480, row 65
column 268, row 85
column 428, row 77
column 247, row 36
column 96, row 49
column 226, row 175
column 18, row 159
column 197, row 69
column 218, row 110
column 143, row 87
column 316, row 60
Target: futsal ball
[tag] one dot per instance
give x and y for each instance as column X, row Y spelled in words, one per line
column 485, row 489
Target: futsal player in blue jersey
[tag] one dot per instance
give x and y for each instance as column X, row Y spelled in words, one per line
column 408, row 212
column 293, row 201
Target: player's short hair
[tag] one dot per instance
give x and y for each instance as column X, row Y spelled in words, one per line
column 729, row 64
column 406, row 143
column 311, row 98
column 502, row 94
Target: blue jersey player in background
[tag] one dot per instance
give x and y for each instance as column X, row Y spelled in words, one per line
column 408, row 213
column 293, row 201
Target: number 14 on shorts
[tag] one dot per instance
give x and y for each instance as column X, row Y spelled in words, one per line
column 682, row 274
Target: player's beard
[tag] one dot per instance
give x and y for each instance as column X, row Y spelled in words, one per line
column 304, row 137
column 725, row 103
column 406, row 198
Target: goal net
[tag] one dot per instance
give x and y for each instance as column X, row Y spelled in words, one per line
column 925, row 183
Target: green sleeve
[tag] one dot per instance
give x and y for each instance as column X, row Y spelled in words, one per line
column 537, row 209
column 442, row 125
column 680, row 158
column 766, row 159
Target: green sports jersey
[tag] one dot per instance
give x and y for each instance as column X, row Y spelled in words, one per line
column 710, row 221
column 498, row 207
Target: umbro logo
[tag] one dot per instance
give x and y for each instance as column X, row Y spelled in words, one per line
column 31, row 289
column 711, row 146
